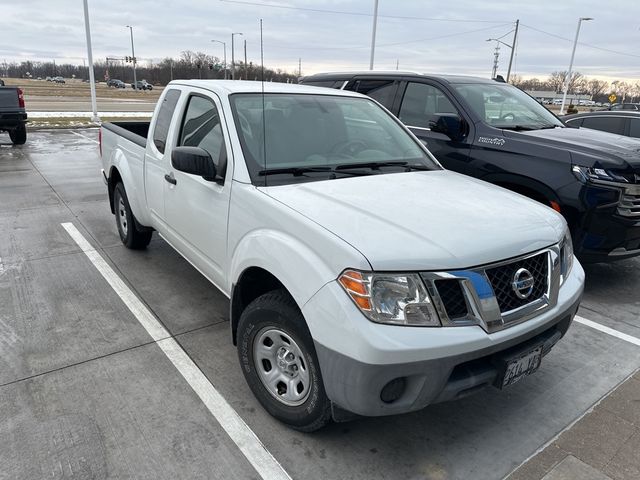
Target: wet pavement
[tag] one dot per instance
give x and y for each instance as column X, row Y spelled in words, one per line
column 85, row 392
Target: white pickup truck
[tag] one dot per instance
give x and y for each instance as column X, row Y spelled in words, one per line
column 362, row 277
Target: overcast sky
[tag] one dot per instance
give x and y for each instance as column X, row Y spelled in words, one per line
column 433, row 36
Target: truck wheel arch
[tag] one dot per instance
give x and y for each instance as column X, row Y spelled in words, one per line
column 252, row 283
column 114, row 179
column 524, row 186
column 536, row 191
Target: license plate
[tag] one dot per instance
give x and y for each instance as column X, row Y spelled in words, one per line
column 519, row 367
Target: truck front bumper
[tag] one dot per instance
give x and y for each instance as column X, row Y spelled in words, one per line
column 358, row 358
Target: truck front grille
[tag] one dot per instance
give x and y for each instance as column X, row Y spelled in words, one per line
column 629, row 205
column 502, row 278
column 452, row 297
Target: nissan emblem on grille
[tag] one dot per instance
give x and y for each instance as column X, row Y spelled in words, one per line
column 523, row 283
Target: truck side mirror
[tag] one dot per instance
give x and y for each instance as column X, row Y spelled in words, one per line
column 449, row 125
column 195, row 161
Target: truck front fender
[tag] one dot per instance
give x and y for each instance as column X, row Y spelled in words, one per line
column 294, row 264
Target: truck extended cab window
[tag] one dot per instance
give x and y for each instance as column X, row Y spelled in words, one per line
column 201, row 127
column 319, row 137
column 164, row 119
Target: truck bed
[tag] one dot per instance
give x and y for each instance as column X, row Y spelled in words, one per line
column 135, row 132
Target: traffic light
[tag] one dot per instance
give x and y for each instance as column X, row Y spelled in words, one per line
column 211, row 66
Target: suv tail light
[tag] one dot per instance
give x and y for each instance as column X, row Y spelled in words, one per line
column 100, row 140
column 20, row 98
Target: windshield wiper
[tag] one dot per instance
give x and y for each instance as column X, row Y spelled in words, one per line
column 296, row 171
column 299, row 171
column 377, row 165
column 521, row 128
column 518, row 128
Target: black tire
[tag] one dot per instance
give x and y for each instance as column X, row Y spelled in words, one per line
column 276, row 310
column 19, row 135
column 126, row 222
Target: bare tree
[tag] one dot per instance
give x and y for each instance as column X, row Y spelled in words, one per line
column 596, row 87
column 576, row 83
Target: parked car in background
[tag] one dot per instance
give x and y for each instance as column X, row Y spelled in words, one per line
column 495, row 132
column 621, row 122
column 143, row 85
column 624, row 106
column 13, row 115
column 362, row 277
column 115, row 83
column 58, row 80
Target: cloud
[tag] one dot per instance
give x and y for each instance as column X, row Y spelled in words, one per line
column 46, row 30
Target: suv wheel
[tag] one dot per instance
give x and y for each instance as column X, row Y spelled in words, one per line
column 279, row 362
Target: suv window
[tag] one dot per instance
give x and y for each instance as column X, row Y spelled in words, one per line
column 423, row 104
column 634, row 127
column 164, row 118
column 384, row 91
column 201, row 127
column 606, row 124
column 165, row 113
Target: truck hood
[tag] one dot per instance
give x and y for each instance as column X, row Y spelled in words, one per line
column 588, row 147
column 437, row 220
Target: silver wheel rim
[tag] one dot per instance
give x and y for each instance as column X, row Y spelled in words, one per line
column 122, row 216
column 282, row 366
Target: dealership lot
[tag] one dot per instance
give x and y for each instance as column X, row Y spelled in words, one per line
column 86, row 392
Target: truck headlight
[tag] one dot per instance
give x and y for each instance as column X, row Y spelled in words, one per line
column 393, row 298
column 585, row 174
column 566, row 256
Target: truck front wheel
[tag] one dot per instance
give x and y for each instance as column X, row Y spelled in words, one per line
column 19, row 135
column 127, row 226
column 279, row 362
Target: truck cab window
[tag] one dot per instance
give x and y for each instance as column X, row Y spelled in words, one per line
column 423, row 104
column 164, row 119
column 201, row 127
column 384, row 91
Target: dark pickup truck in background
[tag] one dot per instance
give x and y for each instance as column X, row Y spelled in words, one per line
column 13, row 116
column 495, row 132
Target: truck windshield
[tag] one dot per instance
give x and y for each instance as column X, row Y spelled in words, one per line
column 505, row 106
column 320, row 137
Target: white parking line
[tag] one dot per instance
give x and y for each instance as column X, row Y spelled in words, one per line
column 263, row 462
column 607, row 330
column 84, row 136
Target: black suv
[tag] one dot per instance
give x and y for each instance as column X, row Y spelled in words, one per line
column 496, row 132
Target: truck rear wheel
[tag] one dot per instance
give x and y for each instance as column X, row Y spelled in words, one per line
column 126, row 222
column 19, row 135
column 279, row 362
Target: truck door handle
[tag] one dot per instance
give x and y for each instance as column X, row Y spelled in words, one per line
column 170, row 179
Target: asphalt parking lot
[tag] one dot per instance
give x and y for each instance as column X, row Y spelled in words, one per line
column 87, row 393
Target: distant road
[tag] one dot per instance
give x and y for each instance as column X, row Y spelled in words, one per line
column 78, row 104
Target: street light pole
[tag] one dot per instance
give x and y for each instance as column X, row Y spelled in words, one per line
column 224, row 45
column 133, row 54
column 233, row 58
column 512, row 47
column 92, row 79
column 567, row 80
column 373, row 34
